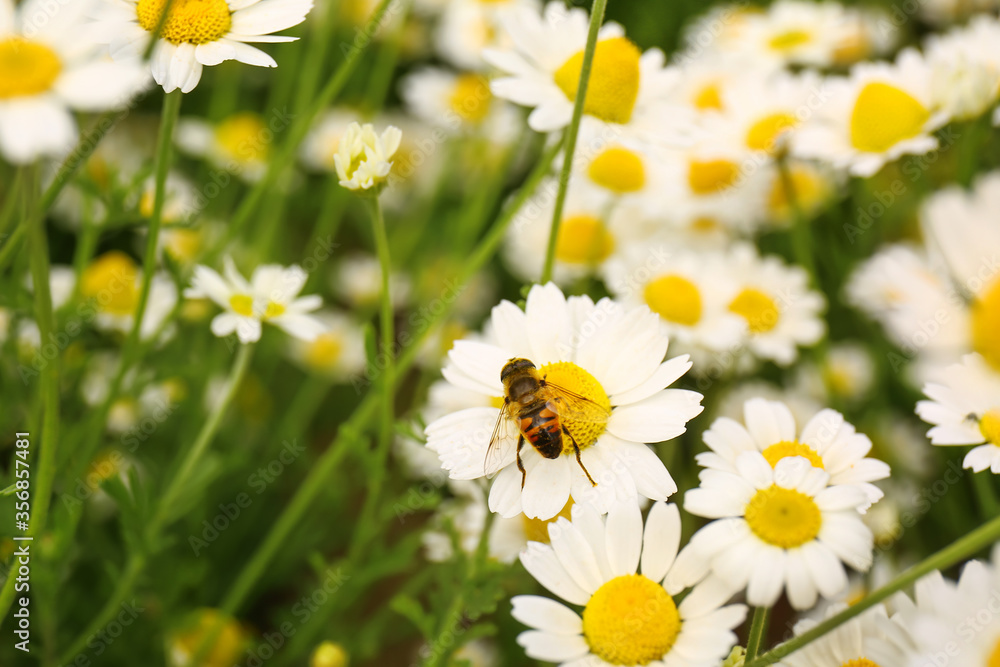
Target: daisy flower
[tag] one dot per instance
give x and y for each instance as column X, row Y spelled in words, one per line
column 873, row 638
column 49, row 67
column 810, row 186
column 615, row 570
column 239, row 143
column 780, row 527
column 435, row 94
column 964, row 408
column 879, row 113
column 196, row 33
column 827, row 441
column 468, row 27
column 965, row 68
column 612, row 356
column 270, row 296
column 363, row 157
column 113, row 281
column 780, row 310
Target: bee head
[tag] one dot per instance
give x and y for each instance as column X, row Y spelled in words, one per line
column 515, row 365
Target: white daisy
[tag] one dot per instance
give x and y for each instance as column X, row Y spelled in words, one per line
column 879, row 113
column 240, row 143
column 50, row 66
column 872, row 638
column 777, row 528
column 827, row 441
column 338, row 352
column 449, row 99
column 196, row 33
column 468, row 27
column 965, row 68
column 965, row 410
column 615, row 570
column 363, row 157
column 270, row 296
column 610, row 355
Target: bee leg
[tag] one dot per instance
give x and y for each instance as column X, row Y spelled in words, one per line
column 520, row 466
column 576, row 448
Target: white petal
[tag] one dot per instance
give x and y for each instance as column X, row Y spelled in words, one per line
column 545, row 614
column 541, row 563
column 624, row 538
column 660, row 417
column 660, row 541
column 552, row 648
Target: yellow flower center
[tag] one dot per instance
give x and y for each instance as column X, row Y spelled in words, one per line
column 619, row 170
column 883, row 116
column 986, row 325
column 243, row 137
column 329, row 654
column 537, row 530
column 708, row 98
column 229, row 644
column 26, row 68
column 110, row 280
column 763, row 135
column 587, row 427
column 104, row 466
column 191, row 21
column 757, row 308
column 786, row 448
column 994, row 659
column 862, row 662
column 631, row 620
column 705, row 225
column 583, row 239
column 989, row 426
column 273, row 309
column 788, row 40
column 675, row 299
column 182, row 244
column 783, row 517
column 707, row 177
column 241, row 304
column 324, row 352
column 808, row 187
column 471, row 97
column 614, row 80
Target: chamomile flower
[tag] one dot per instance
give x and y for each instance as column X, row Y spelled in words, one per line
column 877, row 114
column 873, row 638
column 777, row 528
column 239, row 143
column 780, row 310
column 363, row 158
column 197, row 33
column 113, row 282
column 227, row 645
column 612, row 356
column 270, row 296
column 449, row 99
column 615, row 570
column 965, row 68
column 338, row 352
column 50, row 66
column 964, row 408
column 807, row 188
column 827, row 441
column 468, row 27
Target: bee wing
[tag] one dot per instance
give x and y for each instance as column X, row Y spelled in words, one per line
column 571, row 405
column 502, row 443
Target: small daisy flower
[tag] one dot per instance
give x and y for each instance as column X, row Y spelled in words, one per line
column 197, row 33
column 964, row 408
column 780, row 310
column 809, row 187
column 871, row 639
column 271, row 296
column 231, row 639
column 879, row 113
column 827, row 441
column 459, row 100
column 49, row 67
column 468, row 27
column 965, row 68
column 776, row 528
column 615, row 570
column 338, row 352
column 363, row 157
column 612, row 356
column 113, row 282
column 239, row 143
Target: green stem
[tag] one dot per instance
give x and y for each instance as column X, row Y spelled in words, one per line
column 10, row 205
column 9, row 250
column 596, row 18
column 380, row 79
column 758, row 626
column 959, row 550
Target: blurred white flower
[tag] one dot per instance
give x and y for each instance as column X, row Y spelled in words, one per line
column 239, row 143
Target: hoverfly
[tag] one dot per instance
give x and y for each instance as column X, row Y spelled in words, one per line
column 536, row 408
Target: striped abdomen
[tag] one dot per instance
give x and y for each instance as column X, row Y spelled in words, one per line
column 540, row 426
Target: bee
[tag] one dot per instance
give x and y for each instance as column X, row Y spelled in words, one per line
column 538, row 409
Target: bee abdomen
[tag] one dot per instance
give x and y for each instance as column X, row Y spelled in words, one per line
column 543, row 431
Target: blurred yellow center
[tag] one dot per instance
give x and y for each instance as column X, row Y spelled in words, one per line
column 273, row 310
column 785, row 518
column 883, row 116
column 110, row 280
column 182, row 244
column 26, row 68
column 471, row 97
column 585, row 422
column 786, row 448
column 619, row 170
column 227, row 648
column 709, row 97
column 789, row 39
column 763, row 135
column 705, row 225
column 104, row 466
column 707, row 177
column 675, row 299
column 189, row 21
column 757, row 308
column 631, row 620
column 243, row 137
column 324, row 351
column 989, row 426
column 863, row 662
column 807, row 186
column 614, row 80
column 994, row 659
column 241, row 304
column 537, row 530
column 329, row 654
column 583, row 239
column 986, row 325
